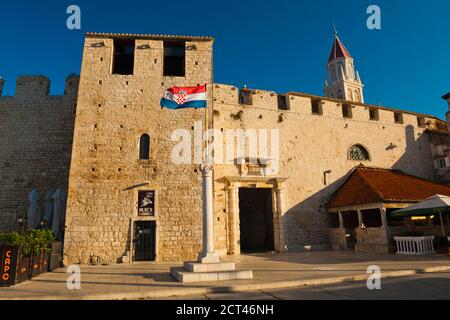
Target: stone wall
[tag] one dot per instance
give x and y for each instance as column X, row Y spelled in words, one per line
column 372, row 240
column 310, row 145
column 35, row 144
column 337, row 238
column 106, row 173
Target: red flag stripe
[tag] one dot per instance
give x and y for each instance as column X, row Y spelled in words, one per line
column 187, row 90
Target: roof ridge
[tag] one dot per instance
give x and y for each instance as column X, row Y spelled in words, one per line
column 370, row 184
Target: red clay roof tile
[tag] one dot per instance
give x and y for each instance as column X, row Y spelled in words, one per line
column 338, row 50
column 373, row 185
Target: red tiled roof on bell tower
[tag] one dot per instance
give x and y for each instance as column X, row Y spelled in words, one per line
column 338, row 50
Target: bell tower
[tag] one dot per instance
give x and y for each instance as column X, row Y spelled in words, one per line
column 343, row 82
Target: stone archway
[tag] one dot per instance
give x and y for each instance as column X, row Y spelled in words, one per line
column 232, row 202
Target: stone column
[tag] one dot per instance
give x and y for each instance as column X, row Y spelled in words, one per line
column 360, row 219
column 341, row 220
column 280, row 240
column 384, row 218
column 208, row 255
column 233, row 220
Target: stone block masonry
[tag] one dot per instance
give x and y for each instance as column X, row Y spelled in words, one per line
column 106, row 173
column 36, row 132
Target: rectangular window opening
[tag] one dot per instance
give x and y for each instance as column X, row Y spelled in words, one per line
column 174, row 58
column 245, row 97
column 374, row 114
column 283, row 102
column 347, row 111
column 123, row 56
column 316, row 106
column 398, row 117
column 421, row 122
column 371, row 218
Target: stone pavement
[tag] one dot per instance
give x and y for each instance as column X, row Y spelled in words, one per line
column 425, row 286
column 271, row 271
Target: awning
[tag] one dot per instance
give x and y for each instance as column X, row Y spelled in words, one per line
column 429, row 207
column 437, row 204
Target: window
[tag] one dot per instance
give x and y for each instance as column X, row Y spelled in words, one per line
column 349, row 94
column 351, row 220
column 398, row 117
column 333, row 219
column 347, row 111
column 144, row 147
column 374, row 115
column 123, row 56
column 442, row 163
column 339, row 94
column 283, row 102
column 357, row 96
column 246, row 97
column 358, row 153
column 421, row 122
column 174, row 58
column 316, row 106
column 371, row 218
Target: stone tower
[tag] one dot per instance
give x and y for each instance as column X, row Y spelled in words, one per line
column 122, row 151
column 344, row 83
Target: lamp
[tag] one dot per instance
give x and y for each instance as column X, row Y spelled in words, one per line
column 325, row 176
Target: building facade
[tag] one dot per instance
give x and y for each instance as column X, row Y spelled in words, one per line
column 128, row 200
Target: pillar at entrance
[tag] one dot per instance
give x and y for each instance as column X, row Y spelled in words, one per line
column 233, row 221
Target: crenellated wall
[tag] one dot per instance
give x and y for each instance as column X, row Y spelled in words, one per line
column 35, row 144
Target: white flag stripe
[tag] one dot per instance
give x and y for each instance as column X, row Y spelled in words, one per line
column 189, row 97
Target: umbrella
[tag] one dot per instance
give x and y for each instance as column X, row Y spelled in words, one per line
column 58, row 213
column 437, row 204
column 48, row 210
column 33, row 214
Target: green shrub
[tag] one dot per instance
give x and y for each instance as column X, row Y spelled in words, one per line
column 44, row 240
column 31, row 242
column 25, row 244
column 10, row 239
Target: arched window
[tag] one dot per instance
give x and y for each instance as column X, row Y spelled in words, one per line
column 357, row 96
column 359, row 153
column 350, row 95
column 144, row 147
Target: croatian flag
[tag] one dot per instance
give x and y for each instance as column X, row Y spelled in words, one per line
column 184, row 97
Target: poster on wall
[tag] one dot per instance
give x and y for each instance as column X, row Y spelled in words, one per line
column 146, row 203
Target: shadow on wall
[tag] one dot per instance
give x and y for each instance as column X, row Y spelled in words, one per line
column 36, row 134
column 417, row 159
column 307, row 222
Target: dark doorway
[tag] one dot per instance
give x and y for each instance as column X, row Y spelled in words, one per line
column 351, row 223
column 256, row 220
column 144, row 241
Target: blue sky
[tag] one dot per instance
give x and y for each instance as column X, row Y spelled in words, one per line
column 276, row 45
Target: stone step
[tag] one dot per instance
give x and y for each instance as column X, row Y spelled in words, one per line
column 209, row 267
column 185, row 276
